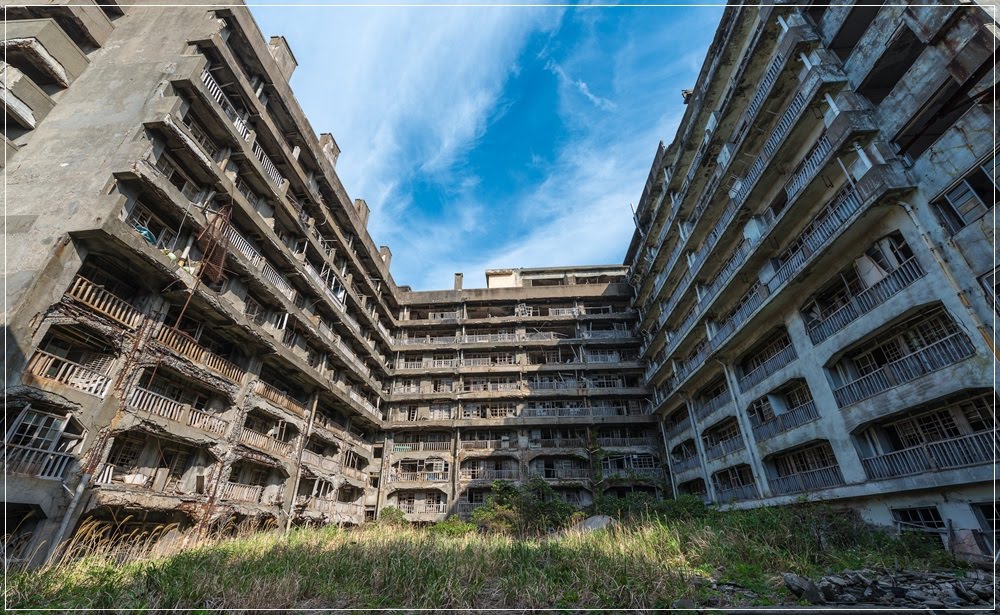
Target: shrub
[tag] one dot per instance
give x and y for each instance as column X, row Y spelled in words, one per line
column 529, row 509
column 392, row 516
column 453, row 526
column 639, row 504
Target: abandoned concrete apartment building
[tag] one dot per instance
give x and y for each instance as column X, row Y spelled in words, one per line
column 200, row 329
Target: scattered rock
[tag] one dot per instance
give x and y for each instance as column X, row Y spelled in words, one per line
column 684, row 603
column 916, row 595
column 829, row 591
column 803, row 588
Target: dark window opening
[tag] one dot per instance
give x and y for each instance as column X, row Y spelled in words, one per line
column 899, row 56
column 853, row 28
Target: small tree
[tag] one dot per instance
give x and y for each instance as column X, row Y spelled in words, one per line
column 392, row 516
column 529, row 509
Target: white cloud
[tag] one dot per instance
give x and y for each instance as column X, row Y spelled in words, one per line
column 581, row 86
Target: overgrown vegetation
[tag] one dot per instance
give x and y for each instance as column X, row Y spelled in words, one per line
column 646, row 560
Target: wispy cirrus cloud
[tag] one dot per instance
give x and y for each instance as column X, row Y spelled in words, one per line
column 494, row 137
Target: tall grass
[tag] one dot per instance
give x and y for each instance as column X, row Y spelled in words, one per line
column 643, row 563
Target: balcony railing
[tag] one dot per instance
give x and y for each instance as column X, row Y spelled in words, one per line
column 406, row 447
column 679, row 428
column 562, row 443
column 770, row 365
column 736, row 494
column 421, row 476
column 626, row 441
column 942, row 353
column 160, row 405
column 35, row 462
column 723, row 448
column 974, row 449
column 785, row 422
column 104, row 302
column 870, row 298
column 279, row 282
column 215, row 91
column 705, row 410
column 327, row 463
column 810, row 480
column 187, row 346
column 241, row 245
column 279, row 397
column 686, row 464
column 641, row 473
column 64, row 371
column 422, row 507
column 490, row 474
column 488, row 444
column 265, row 442
column 465, row 508
column 242, row 493
column 560, row 473
column 272, row 171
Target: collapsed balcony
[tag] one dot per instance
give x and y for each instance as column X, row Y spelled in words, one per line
column 268, row 433
column 498, row 468
column 252, row 482
column 159, row 465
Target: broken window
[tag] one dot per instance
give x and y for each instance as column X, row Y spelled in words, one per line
column 970, row 198
column 922, row 518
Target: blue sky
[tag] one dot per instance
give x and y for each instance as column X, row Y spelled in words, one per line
column 488, row 137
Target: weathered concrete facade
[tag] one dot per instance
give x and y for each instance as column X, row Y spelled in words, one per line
column 814, row 267
column 201, row 330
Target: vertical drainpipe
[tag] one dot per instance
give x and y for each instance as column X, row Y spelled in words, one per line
column 747, row 434
column 56, row 547
column 666, row 453
column 298, row 461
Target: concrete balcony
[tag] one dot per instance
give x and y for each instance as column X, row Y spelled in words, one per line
column 560, row 473
column 333, row 507
column 942, row 353
column 960, row 452
column 28, row 461
column 328, row 464
column 41, row 50
column 464, row 508
column 488, row 445
column 242, row 493
column 26, row 103
column 264, row 442
column 725, row 447
column 104, row 302
column 643, row 474
column 811, row 480
column 626, row 442
column 788, row 421
column 679, row 429
column 686, row 464
column 216, row 94
column 867, row 300
column 423, row 508
column 186, row 346
column 769, row 367
column 736, row 494
column 144, row 400
column 279, row 398
column 561, row 443
column 50, row 367
column 487, row 474
column 704, row 411
column 408, row 447
column 419, row 477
